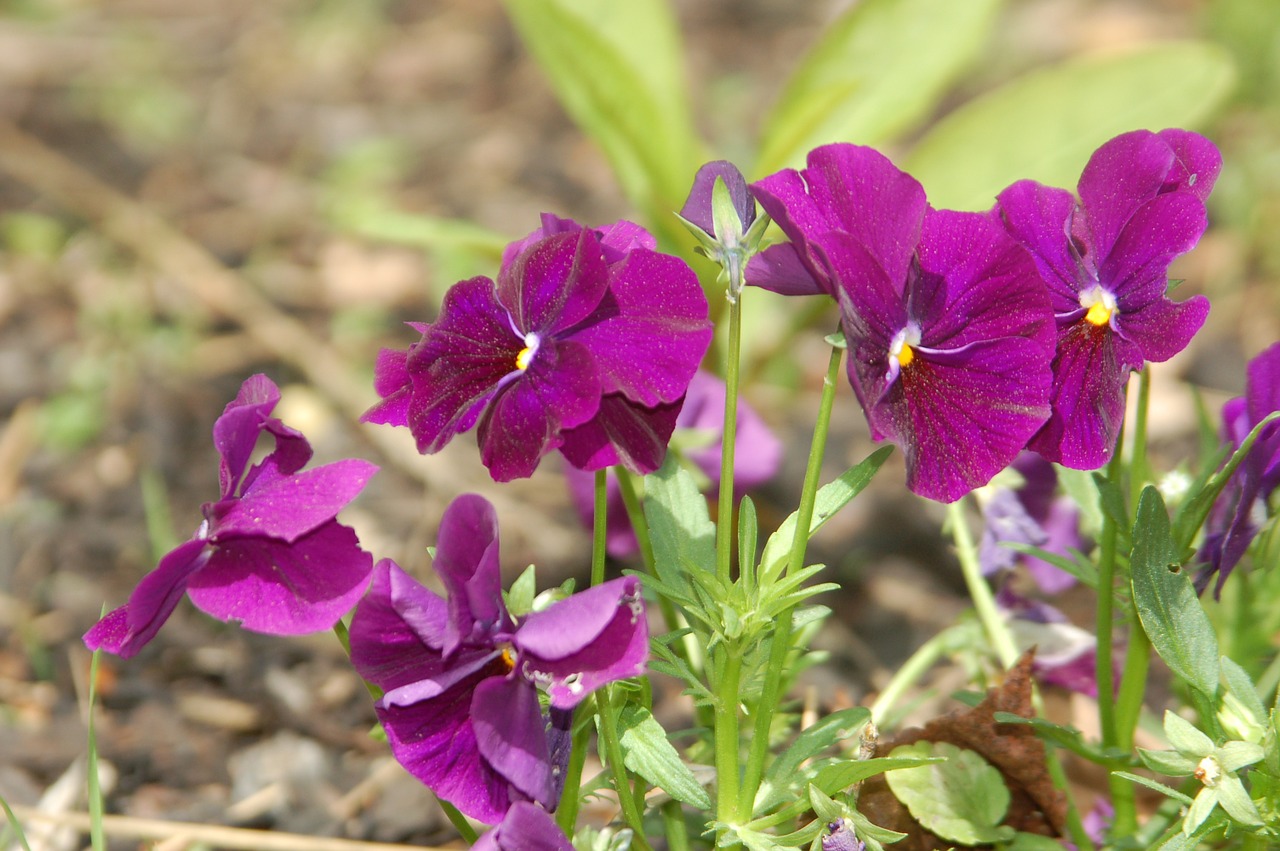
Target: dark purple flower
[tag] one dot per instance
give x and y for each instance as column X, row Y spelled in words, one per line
column 1242, row 508
column 269, row 553
column 1105, row 261
column 1033, row 514
column 949, row 329
column 461, row 677
column 526, row 827
column 697, row 209
column 840, row 837
column 757, row 457
column 585, row 344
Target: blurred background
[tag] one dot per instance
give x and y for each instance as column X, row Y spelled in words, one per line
column 192, row 192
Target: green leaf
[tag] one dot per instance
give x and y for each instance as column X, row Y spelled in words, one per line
column 1070, row 739
column 748, row 534
column 1169, row 763
column 1167, row 604
column 1033, row 842
column 520, row 597
column 1045, row 125
column 962, row 800
column 785, row 776
column 830, row 498
column 680, row 527
column 1185, row 736
column 877, row 70
column 618, row 70
column 1155, row 785
column 648, row 752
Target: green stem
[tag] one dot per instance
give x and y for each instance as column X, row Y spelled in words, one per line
column 780, row 643
column 459, row 821
column 599, row 528
column 1138, row 460
column 925, row 657
column 613, row 749
column 724, row 511
column 674, row 827
column 727, row 734
column 567, row 811
column 979, row 591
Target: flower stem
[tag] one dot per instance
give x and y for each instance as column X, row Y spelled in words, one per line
column 613, row 749
column 1122, row 791
column 925, row 657
column 599, row 527
column 567, row 811
column 676, row 830
column 979, row 591
column 459, row 821
column 780, row 644
column 724, row 510
column 727, row 733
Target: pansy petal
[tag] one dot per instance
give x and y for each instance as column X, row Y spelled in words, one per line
column 1039, row 218
column 554, row 283
column 127, row 629
column 526, row 827
column 584, row 641
column 235, row 434
column 284, row 589
column 622, row 432
column 467, row 563
column 1262, row 396
column 1122, row 175
column 785, row 197
column 511, row 734
column 1136, row 270
column 397, row 630
column 697, row 207
column 650, row 349
column 622, row 237
column 963, row 416
column 1164, row 328
column 780, row 269
column 872, row 304
column 392, row 383
column 1197, row 162
column 287, row 507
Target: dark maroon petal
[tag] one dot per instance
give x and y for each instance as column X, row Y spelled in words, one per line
column 554, row 283
column 1196, row 164
column 526, row 827
column 458, row 365
column 779, row 269
column 235, row 434
column 398, row 630
column 697, row 207
column 1163, row 328
column 551, row 225
column 1039, row 218
column 127, row 629
column 1121, row 176
column 467, row 563
column 990, row 286
column 392, row 383
column 1090, row 371
column 559, row 390
column 585, row 641
column 511, row 734
column 284, row 589
column 785, row 197
column 962, row 416
column 287, row 507
column 650, row 349
column 873, row 307
column 622, row 432
column 1136, row 270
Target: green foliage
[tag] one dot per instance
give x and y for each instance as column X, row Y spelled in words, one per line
column 963, row 799
column 793, row 769
column 1044, row 126
column 649, row 753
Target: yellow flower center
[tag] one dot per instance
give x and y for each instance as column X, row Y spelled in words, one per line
column 523, row 359
column 1099, row 314
column 906, row 356
column 509, row 658
column 1100, row 305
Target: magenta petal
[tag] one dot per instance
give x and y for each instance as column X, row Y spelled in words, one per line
column 1164, row 328
column 584, row 641
column 622, row 432
column 397, row 630
column 1039, row 218
column 287, row 507
column 554, row 283
column 1121, row 176
column 651, row 348
column 511, row 734
column 127, row 630
column 1136, row 270
column 526, row 827
column 235, row 434
column 697, row 207
column 872, row 304
column 284, row 589
column 1196, row 165
column 779, row 269
column 392, row 383
column 467, row 562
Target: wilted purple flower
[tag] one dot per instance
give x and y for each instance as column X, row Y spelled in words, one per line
column 1242, row 508
column 949, row 329
column 461, row 677
column 1105, row 261
column 269, row 553
column 756, row 458
column 585, row 344
column 840, row 837
column 526, row 827
column 1033, row 515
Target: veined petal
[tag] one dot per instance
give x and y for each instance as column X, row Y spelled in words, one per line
column 1196, row 164
column 554, row 283
column 780, row 269
column 1122, row 175
column 1137, row 269
column 511, row 734
column 873, row 306
column 467, row 563
column 1164, row 328
column 398, row 630
column 785, row 197
column 622, row 432
column 236, row 432
column 1039, row 218
column 392, row 383
column 284, row 589
column 526, row 827
column 287, row 507
column 697, row 207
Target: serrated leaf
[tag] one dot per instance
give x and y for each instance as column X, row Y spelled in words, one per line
column 648, row 752
column 784, row 774
column 962, row 800
column 1046, row 124
column 830, row 498
column 877, row 70
column 1167, row 604
column 618, row 70
column 680, row 527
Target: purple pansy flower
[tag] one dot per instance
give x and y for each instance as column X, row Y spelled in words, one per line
column 461, row 677
column 1105, row 261
column 1066, row 655
column 840, row 837
column 269, row 553
column 526, row 827
column 1242, row 508
column 1032, row 514
column 756, row 458
column 949, row 329
column 585, row 344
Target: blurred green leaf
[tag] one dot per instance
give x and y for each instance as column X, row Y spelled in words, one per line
column 963, row 799
column 877, row 70
column 649, row 753
column 618, row 69
column 1045, row 125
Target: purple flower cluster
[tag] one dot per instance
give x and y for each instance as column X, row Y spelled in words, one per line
column 973, row 336
column 269, row 553
column 461, row 678
column 585, row 344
